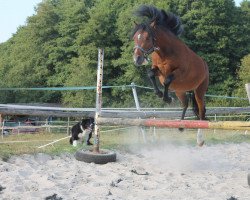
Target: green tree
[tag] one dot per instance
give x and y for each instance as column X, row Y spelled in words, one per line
column 98, row 32
column 58, row 47
column 243, row 78
column 214, row 29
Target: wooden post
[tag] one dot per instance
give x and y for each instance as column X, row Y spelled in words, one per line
column 1, row 120
column 98, row 98
column 18, row 128
column 248, row 91
column 46, row 124
column 3, row 129
column 49, row 127
column 68, row 127
column 2, row 124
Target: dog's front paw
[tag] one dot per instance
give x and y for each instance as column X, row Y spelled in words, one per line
column 75, row 143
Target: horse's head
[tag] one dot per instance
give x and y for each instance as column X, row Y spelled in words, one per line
column 144, row 41
column 145, row 33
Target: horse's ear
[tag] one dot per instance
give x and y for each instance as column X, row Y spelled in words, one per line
column 153, row 24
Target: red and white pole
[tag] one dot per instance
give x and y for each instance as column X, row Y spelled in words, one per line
column 194, row 124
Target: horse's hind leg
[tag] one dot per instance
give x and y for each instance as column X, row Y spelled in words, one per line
column 151, row 74
column 167, row 82
column 199, row 97
column 184, row 101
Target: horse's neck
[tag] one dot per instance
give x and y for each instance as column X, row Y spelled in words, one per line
column 169, row 44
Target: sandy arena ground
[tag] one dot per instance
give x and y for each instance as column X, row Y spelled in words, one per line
column 166, row 172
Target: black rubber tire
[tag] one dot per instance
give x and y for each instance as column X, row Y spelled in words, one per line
column 248, row 179
column 89, row 156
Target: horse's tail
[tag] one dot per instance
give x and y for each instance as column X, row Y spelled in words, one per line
column 194, row 105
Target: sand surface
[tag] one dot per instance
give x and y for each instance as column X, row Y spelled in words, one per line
column 163, row 172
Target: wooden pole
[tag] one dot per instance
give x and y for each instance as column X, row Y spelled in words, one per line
column 2, row 124
column 194, row 124
column 230, row 125
column 68, row 126
column 248, row 91
column 18, row 130
column 98, row 98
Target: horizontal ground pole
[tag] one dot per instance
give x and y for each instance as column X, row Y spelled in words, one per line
column 195, row 124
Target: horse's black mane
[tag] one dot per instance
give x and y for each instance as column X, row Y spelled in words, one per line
column 162, row 18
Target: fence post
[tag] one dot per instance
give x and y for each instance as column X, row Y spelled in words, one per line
column 49, row 128
column 46, row 125
column 98, row 98
column 248, row 91
column 18, row 128
column 215, row 119
column 68, row 127
column 137, row 104
column 2, row 125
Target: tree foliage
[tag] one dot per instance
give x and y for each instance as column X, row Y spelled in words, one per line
column 58, row 47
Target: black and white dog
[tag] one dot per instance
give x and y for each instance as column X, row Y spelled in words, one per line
column 81, row 129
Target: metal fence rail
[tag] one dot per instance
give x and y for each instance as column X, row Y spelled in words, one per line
column 6, row 109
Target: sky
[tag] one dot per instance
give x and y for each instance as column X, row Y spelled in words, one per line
column 13, row 13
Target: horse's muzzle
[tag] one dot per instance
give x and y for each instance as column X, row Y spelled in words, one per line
column 140, row 60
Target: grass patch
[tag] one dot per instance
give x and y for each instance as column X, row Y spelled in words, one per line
column 121, row 139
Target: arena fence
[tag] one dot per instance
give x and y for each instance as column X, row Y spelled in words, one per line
column 131, row 117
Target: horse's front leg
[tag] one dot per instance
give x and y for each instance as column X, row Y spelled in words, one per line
column 167, row 82
column 151, row 74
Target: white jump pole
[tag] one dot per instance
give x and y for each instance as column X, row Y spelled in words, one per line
column 137, row 104
column 98, row 98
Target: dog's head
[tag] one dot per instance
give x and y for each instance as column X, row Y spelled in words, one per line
column 87, row 123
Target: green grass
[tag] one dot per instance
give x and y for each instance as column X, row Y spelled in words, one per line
column 124, row 139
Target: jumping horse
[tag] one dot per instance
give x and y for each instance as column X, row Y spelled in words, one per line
column 177, row 67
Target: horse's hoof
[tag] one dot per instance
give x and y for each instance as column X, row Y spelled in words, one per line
column 200, row 144
column 181, row 129
column 168, row 99
column 89, row 143
column 159, row 94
